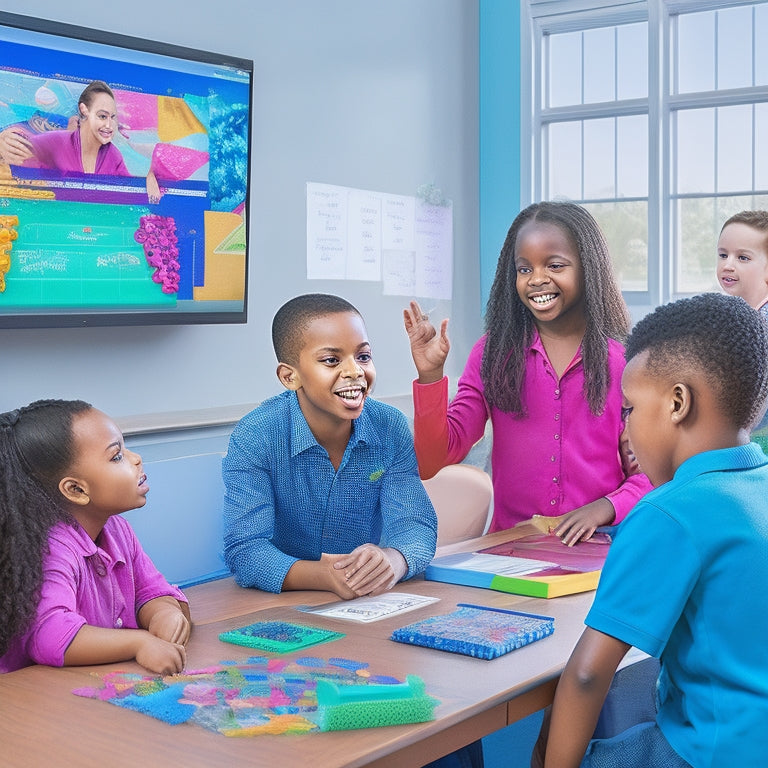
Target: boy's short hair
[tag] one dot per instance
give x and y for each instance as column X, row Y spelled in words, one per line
column 717, row 335
column 756, row 219
column 292, row 319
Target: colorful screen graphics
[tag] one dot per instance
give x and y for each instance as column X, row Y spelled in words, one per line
column 124, row 179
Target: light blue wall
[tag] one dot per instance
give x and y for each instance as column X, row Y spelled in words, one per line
column 181, row 525
column 374, row 95
column 499, row 130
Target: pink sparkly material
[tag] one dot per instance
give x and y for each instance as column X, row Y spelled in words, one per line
column 158, row 236
column 173, row 163
column 138, row 111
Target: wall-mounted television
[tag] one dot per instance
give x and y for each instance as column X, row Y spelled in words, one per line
column 129, row 209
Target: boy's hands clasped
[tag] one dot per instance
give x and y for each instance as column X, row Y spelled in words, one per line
column 366, row 570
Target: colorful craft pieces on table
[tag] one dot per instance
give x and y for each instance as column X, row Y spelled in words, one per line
column 279, row 636
column 270, row 696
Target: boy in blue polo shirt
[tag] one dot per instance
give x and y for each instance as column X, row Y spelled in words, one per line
column 322, row 487
column 686, row 573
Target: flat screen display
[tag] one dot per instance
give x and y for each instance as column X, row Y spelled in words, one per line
column 124, row 179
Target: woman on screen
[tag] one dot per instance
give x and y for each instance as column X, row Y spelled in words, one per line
column 88, row 148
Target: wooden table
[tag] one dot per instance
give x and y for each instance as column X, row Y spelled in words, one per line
column 43, row 724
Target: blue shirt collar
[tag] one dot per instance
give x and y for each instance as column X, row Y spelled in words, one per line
column 363, row 430
column 748, row 456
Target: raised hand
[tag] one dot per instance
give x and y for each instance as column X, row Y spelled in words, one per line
column 429, row 348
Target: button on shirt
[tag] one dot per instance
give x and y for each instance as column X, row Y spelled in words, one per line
column 102, row 584
column 284, row 501
column 557, row 457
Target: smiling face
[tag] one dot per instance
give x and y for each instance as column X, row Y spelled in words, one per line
column 549, row 272
column 742, row 263
column 99, row 119
column 105, row 478
column 647, row 404
column 334, row 372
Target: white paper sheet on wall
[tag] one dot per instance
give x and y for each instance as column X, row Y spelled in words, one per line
column 326, row 232
column 363, row 235
column 434, row 239
column 401, row 241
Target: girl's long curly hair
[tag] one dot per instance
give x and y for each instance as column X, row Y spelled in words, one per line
column 36, row 449
column 509, row 323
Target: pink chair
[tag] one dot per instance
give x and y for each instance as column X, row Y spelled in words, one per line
column 462, row 496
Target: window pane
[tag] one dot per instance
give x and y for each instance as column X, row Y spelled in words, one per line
column 599, row 65
column 761, row 146
column 565, row 160
column 599, row 158
column 633, row 61
column 695, row 150
column 734, row 148
column 709, row 157
column 564, row 69
column 761, row 49
column 699, row 223
column 632, row 156
column 696, row 248
column 696, row 52
column 625, row 226
column 734, row 48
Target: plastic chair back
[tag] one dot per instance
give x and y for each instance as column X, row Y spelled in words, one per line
column 462, row 496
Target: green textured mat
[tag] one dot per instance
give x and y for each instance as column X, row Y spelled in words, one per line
column 278, row 636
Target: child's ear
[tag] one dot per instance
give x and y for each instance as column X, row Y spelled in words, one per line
column 682, row 403
column 289, row 376
column 74, row 490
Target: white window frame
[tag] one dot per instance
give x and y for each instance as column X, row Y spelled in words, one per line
column 541, row 17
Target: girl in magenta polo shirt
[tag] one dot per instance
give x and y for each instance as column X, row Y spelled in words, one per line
column 75, row 585
column 547, row 373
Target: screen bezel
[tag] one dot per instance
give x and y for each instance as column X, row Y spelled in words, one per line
column 138, row 317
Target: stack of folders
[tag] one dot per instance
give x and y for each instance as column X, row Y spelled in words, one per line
column 538, row 565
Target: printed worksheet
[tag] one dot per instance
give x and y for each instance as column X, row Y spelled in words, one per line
column 371, row 608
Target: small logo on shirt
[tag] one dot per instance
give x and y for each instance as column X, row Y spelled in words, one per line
column 374, row 476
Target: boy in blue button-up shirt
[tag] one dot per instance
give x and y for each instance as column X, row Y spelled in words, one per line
column 322, row 486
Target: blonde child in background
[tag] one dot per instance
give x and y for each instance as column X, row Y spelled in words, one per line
column 742, row 270
column 547, row 373
column 75, row 585
column 742, row 258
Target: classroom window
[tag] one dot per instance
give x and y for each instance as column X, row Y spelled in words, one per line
column 654, row 116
